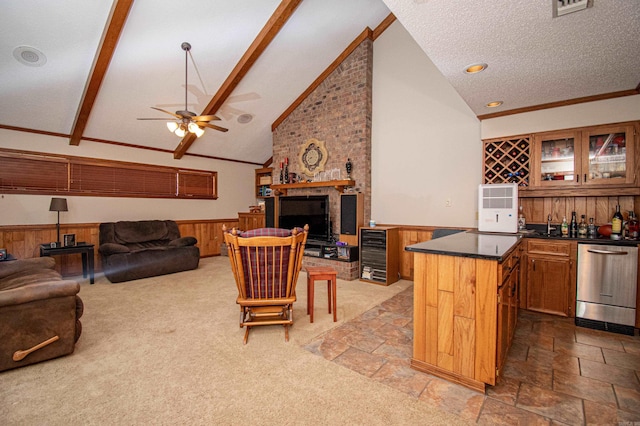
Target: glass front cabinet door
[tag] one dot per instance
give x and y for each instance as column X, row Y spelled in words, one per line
column 608, row 159
column 556, row 159
column 593, row 156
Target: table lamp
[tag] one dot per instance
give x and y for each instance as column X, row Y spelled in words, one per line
column 58, row 205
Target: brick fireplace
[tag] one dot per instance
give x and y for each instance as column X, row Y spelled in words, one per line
column 337, row 112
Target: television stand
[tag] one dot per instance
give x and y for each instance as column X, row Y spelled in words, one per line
column 344, row 259
column 327, row 250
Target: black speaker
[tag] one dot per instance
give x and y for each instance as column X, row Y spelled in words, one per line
column 270, row 217
column 351, row 213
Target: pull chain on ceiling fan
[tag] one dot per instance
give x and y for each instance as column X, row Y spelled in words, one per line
column 187, row 121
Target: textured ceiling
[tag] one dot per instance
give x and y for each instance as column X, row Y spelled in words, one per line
column 533, row 59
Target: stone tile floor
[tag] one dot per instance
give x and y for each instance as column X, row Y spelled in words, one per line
column 555, row 373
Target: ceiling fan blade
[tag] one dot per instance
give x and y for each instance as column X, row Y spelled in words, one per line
column 213, row 126
column 167, row 112
column 206, row 117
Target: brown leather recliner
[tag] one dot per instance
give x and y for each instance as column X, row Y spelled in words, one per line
column 39, row 312
column 132, row 250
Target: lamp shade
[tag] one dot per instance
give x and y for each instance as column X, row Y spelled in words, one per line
column 180, row 132
column 194, row 128
column 172, row 126
column 58, row 205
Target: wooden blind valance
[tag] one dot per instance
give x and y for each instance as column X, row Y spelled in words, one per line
column 34, row 173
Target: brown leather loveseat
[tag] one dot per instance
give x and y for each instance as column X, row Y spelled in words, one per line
column 39, row 312
column 132, row 250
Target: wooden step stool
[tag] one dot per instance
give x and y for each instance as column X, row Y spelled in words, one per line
column 322, row 273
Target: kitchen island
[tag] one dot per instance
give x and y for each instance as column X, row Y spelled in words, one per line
column 465, row 305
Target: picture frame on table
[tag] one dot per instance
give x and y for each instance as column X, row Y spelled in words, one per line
column 68, row 240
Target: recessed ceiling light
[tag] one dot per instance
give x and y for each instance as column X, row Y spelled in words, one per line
column 245, row 118
column 30, row 56
column 475, row 68
column 494, row 104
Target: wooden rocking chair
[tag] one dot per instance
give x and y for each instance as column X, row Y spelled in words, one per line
column 266, row 263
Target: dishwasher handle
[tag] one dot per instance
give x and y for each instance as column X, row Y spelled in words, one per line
column 618, row 253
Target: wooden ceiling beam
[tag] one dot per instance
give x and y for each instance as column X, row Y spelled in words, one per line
column 110, row 37
column 267, row 34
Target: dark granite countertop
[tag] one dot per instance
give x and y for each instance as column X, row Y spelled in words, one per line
column 469, row 244
column 495, row 246
column 539, row 232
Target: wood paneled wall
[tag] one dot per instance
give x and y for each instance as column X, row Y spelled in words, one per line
column 536, row 210
column 23, row 241
column 412, row 235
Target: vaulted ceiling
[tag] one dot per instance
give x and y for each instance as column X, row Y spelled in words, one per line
column 88, row 70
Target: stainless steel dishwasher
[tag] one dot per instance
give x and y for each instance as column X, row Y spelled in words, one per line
column 607, row 285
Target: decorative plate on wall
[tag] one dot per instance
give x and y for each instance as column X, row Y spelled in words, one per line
column 313, row 156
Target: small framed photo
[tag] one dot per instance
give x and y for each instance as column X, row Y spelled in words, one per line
column 69, row 240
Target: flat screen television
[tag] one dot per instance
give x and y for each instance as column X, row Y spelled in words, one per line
column 312, row 210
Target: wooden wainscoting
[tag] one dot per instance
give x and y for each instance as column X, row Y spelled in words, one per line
column 23, row 241
column 412, row 235
column 535, row 211
column 601, row 209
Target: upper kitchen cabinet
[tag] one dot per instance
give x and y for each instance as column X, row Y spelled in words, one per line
column 556, row 159
column 596, row 156
column 610, row 156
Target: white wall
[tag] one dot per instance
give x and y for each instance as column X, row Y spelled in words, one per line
column 586, row 114
column 235, row 187
column 426, row 145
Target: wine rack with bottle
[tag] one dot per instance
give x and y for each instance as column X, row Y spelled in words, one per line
column 507, row 160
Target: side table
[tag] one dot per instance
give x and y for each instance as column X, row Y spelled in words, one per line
column 83, row 248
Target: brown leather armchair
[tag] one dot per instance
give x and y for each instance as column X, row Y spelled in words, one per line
column 39, row 312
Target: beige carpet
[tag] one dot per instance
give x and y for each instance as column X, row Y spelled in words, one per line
column 168, row 350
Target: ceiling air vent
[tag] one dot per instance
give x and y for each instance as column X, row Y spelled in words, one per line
column 562, row 7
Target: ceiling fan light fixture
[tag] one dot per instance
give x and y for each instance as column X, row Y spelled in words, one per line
column 475, row 68
column 172, row 126
column 197, row 130
column 180, row 132
column 187, row 121
column 494, row 104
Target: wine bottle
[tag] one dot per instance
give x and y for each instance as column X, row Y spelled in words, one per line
column 522, row 222
column 564, row 227
column 592, row 229
column 634, row 226
column 573, row 227
column 616, row 224
column 582, row 227
column 281, row 172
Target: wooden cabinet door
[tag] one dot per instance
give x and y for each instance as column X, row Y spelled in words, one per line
column 608, row 155
column 548, row 286
column 502, row 346
column 556, row 159
column 514, row 285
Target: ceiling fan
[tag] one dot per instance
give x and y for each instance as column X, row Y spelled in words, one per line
column 187, row 121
